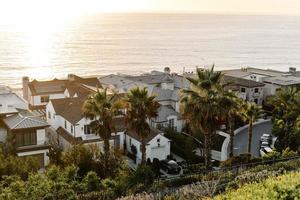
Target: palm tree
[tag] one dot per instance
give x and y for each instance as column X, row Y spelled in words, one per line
column 140, row 108
column 251, row 112
column 101, row 108
column 201, row 105
column 231, row 105
column 286, row 105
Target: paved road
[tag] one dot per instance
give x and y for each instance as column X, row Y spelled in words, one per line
column 241, row 138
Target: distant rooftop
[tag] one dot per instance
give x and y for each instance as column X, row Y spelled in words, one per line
column 283, row 80
column 9, row 101
column 242, row 82
column 57, row 86
column 24, row 119
column 246, row 71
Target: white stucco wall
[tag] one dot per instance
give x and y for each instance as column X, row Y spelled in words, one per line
column 250, row 94
column 36, row 100
column 152, row 149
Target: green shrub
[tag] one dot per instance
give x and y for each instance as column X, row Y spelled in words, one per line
column 283, row 187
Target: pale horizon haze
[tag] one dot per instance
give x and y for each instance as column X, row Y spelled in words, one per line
column 15, row 8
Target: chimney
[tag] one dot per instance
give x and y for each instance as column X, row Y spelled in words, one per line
column 292, row 70
column 25, row 82
column 71, row 77
column 167, row 70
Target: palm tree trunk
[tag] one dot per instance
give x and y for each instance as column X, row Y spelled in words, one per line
column 106, row 147
column 250, row 136
column 207, row 147
column 231, row 133
column 143, row 151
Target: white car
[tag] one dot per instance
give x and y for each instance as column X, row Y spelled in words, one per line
column 265, row 150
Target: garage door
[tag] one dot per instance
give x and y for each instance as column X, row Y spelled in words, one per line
column 159, row 153
column 37, row 157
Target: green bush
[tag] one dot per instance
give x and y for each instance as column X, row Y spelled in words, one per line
column 13, row 165
column 283, row 187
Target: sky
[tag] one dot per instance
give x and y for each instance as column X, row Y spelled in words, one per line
column 69, row 7
column 54, row 10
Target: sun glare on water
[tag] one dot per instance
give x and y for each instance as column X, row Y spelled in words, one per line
column 39, row 20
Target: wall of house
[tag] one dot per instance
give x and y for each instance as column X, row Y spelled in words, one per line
column 55, row 120
column 3, row 134
column 64, row 143
column 36, row 100
column 177, row 123
column 167, row 86
column 160, row 149
column 250, row 94
column 131, row 141
column 41, row 136
column 270, row 89
column 153, row 150
column 80, row 127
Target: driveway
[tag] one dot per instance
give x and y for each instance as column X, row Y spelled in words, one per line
column 241, row 138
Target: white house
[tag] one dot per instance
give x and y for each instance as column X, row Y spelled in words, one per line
column 167, row 118
column 164, row 85
column 272, row 79
column 64, row 116
column 246, row 89
column 157, row 145
column 27, row 128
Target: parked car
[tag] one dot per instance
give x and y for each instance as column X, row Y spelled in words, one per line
column 264, row 144
column 266, row 138
column 170, row 166
column 265, row 150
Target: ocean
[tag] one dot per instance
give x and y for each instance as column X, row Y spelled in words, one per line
column 100, row 44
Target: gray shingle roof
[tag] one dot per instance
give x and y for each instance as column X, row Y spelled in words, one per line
column 152, row 79
column 24, row 120
column 153, row 133
column 165, row 95
column 164, row 112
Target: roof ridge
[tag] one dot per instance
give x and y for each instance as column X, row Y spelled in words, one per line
column 19, row 121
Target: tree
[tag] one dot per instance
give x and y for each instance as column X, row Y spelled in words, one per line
column 231, row 104
column 140, row 108
column 251, row 113
column 102, row 108
column 201, row 105
column 286, row 112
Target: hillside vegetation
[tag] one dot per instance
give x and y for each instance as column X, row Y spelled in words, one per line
column 282, row 187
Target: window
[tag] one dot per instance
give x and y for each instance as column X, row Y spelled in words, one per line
column 26, row 138
column 87, row 129
column 256, row 90
column 171, row 123
column 243, row 90
column 44, row 99
column 158, row 142
column 129, row 141
column 49, row 115
column 65, row 124
column 71, row 128
column 256, row 101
